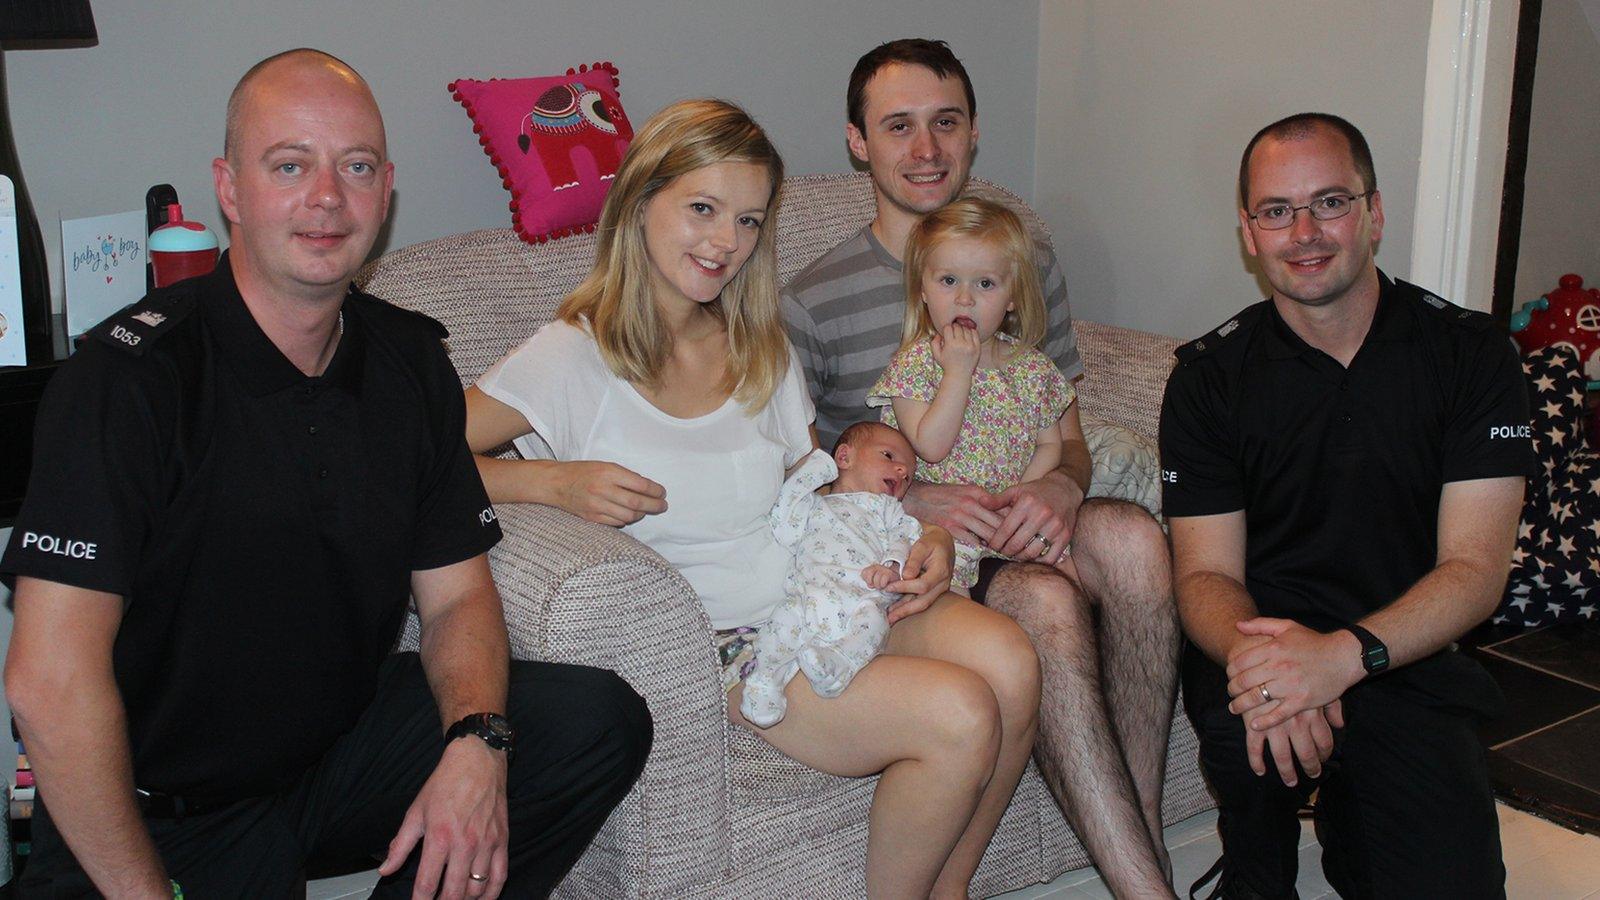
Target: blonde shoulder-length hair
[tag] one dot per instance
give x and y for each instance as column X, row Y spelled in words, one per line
column 984, row 220
column 615, row 298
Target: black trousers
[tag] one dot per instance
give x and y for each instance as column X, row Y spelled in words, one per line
column 582, row 738
column 1404, row 807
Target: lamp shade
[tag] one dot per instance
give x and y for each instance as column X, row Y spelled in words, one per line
column 46, row 20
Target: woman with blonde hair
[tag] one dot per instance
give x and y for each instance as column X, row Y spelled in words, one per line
column 666, row 401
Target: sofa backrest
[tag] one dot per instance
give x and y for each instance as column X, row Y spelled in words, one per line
column 492, row 290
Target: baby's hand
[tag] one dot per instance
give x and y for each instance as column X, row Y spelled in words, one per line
column 880, row 575
column 955, row 349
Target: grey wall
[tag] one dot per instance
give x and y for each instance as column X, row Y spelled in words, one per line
column 97, row 126
column 1144, row 107
column 1560, row 231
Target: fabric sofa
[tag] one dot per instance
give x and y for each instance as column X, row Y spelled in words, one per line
column 717, row 812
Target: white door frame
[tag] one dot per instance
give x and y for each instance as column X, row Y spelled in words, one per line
column 1466, row 111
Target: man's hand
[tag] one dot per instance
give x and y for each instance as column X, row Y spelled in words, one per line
column 965, row 510
column 1307, row 736
column 880, row 575
column 460, row 817
column 607, row 493
column 956, row 349
column 1301, row 670
column 925, row 575
column 1047, row 506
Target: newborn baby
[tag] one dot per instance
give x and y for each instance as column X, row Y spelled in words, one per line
column 847, row 546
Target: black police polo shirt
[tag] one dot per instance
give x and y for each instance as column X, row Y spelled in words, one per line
column 261, row 525
column 1339, row 471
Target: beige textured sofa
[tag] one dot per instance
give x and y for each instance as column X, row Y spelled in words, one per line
column 717, row 813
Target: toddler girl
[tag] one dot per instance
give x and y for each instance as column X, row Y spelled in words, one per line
column 969, row 387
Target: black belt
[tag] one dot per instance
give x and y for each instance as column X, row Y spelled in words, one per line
column 156, row 805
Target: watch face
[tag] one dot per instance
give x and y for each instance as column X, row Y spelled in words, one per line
column 497, row 725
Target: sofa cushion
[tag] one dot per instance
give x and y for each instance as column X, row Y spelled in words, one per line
column 556, row 142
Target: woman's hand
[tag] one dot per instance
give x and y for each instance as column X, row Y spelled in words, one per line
column 605, row 492
column 925, row 577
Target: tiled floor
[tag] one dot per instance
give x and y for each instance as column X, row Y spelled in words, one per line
column 1543, row 862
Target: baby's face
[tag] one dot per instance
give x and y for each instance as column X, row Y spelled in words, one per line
column 881, row 463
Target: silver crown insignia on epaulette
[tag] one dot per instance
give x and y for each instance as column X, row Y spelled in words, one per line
column 150, row 317
column 1224, row 331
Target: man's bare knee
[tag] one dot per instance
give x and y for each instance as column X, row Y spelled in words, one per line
column 1049, row 606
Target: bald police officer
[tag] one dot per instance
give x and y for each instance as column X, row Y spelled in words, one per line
column 238, row 483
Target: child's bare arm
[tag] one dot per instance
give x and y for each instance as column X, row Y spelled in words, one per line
column 1046, row 453
column 932, row 428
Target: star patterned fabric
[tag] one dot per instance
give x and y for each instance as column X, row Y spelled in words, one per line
column 1555, row 568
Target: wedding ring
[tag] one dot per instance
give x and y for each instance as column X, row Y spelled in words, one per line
column 1045, row 541
column 476, row 877
column 1266, row 696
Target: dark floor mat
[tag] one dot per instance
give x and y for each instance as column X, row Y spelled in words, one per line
column 1545, row 752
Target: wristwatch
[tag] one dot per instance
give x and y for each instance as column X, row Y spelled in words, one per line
column 1374, row 653
column 493, row 728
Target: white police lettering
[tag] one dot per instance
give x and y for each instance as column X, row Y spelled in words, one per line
column 125, row 336
column 55, row 546
column 487, row 516
column 150, row 317
column 1433, row 301
column 1228, row 329
column 1509, row 431
column 1170, row 476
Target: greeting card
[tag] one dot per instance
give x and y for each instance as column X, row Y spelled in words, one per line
column 102, row 258
column 13, row 344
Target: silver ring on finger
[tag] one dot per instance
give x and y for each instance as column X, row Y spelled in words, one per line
column 1266, row 695
column 476, row 877
column 1043, row 542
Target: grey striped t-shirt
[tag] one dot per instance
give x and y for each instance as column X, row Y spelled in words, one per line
column 844, row 314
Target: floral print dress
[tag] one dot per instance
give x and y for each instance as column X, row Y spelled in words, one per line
column 1006, row 409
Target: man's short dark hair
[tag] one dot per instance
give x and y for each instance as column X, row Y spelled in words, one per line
column 933, row 55
column 1301, row 126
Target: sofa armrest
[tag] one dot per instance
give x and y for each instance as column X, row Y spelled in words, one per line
column 576, row 592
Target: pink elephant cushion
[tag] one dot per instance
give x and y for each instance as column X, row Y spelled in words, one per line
column 556, row 142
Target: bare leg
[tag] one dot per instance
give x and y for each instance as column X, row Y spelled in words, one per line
column 986, row 642
column 1123, row 561
column 1105, row 770
column 932, row 728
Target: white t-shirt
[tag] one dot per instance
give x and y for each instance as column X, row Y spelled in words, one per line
column 722, row 471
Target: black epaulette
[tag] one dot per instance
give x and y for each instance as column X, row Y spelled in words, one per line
column 137, row 327
column 1439, row 307
column 1218, row 337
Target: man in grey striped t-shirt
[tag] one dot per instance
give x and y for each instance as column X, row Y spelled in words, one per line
column 912, row 121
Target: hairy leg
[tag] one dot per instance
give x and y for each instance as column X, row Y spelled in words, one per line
column 930, row 727
column 1124, row 565
column 1105, row 769
column 988, row 643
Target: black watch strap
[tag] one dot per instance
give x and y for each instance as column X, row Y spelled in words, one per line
column 1374, row 653
column 492, row 728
